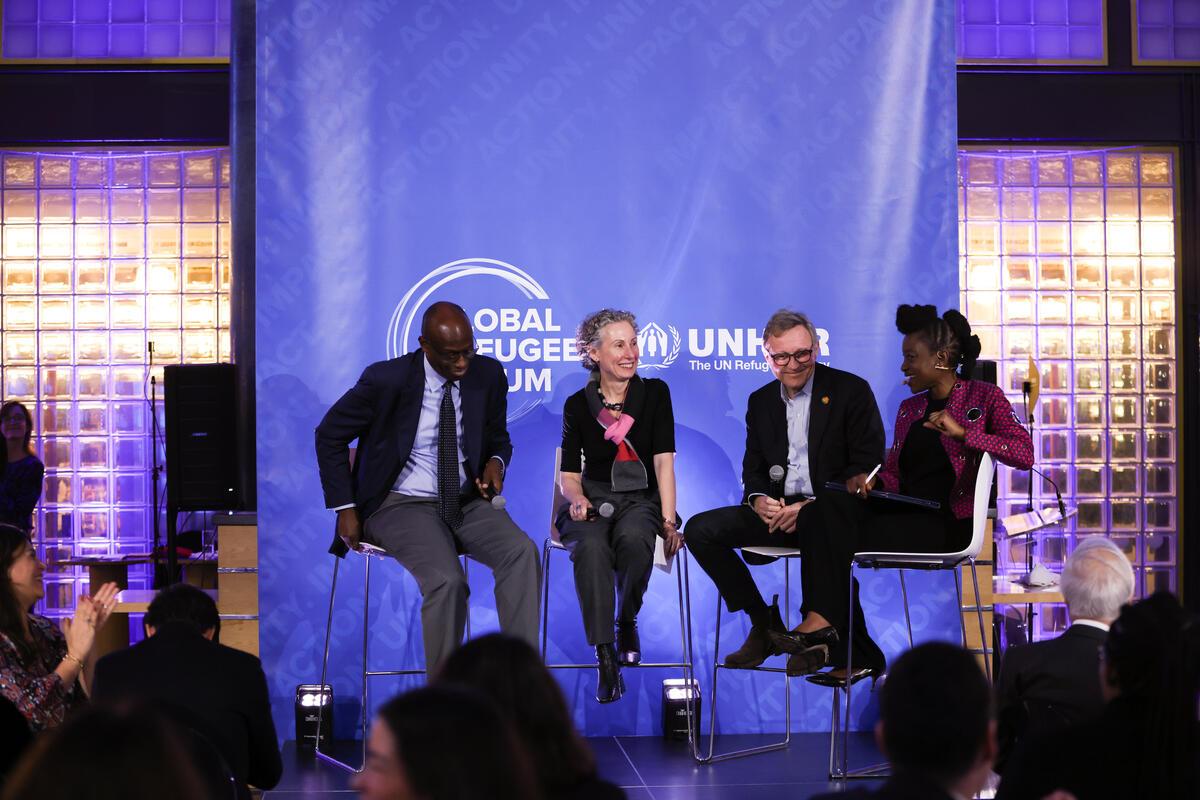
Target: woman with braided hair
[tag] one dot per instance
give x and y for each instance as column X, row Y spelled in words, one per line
column 1146, row 742
column 942, row 431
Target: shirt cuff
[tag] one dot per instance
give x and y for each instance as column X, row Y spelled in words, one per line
column 503, row 465
column 750, row 498
column 342, row 508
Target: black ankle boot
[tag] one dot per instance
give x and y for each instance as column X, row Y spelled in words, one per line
column 629, row 645
column 609, row 683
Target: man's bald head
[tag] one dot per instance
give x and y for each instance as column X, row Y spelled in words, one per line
column 1097, row 580
column 447, row 339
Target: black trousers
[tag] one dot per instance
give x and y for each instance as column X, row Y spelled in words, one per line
column 714, row 538
column 623, row 544
column 850, row 524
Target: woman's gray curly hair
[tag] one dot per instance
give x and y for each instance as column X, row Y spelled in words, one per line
column 587, row 335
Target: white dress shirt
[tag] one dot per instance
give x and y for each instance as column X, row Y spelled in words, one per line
column 418, row 478
column 797, row 480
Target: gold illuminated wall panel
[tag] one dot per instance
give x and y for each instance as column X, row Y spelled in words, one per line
column 102, row 254
column 1070, row 257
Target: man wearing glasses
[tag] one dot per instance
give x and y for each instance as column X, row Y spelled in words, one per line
column 433, row 447
column 815, row 424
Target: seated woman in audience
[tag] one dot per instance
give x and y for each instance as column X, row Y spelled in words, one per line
column 511, row 674
column 618, row 454
column 108, row 753
column 941, row 434
column 40, row 667
column 1146, row 743
column 444, row 743
column 20, row 472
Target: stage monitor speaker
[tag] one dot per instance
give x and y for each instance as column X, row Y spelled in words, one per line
column 985, row 371
column 201, row 452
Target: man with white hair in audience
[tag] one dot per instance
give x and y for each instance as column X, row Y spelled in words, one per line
column 1051, row 684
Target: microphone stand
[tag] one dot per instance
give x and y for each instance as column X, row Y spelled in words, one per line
column 1026, row 391
column 156, row 469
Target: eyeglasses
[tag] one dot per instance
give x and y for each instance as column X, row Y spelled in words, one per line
column 782, row 359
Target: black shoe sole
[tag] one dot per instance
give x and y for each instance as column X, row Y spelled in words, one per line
column 808, row 661
column 827, row 679
column 796, row 642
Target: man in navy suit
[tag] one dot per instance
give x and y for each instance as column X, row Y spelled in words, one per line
column 1049, row 685
column 433, row 447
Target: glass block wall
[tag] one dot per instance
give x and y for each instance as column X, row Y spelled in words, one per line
column 1068, row 257
column 101, row 254
column 123, row 30
column 1031, row 31
column 1166, row 31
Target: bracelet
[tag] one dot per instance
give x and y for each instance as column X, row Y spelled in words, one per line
column 669, row 523
column 69, row 657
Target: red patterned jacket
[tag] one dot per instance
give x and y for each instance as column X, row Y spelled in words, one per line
column 992, row 427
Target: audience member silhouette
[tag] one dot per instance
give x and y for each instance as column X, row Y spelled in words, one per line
column 1145, row 743
column 110, row 753
column 444, row 743
column 935, row 727
column 510, row 673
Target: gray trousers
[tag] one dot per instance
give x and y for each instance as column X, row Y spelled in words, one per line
column 409, row 529
column 623, row 544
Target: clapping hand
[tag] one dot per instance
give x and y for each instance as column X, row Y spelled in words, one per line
column 102, row 602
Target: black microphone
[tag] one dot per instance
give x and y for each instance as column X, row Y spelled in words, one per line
column 776, row 474
column 1062, row 508
column 606, row 510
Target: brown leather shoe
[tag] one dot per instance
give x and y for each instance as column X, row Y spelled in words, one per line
column 758, row 646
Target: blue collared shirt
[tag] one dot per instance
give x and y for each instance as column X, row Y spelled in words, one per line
column 419, row 476
column 798, row 480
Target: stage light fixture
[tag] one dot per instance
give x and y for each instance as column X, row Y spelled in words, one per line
column 680, row 707
column 311, row 721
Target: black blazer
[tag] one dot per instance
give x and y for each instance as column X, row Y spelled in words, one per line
column 845, row 431
column 215, row 689
column 383, row 410
column 20, row 490
column 1047, row 685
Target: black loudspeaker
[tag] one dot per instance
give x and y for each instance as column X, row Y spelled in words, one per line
column 985, row 371
column 201, row 449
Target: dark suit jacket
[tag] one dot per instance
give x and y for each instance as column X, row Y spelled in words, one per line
column 900, row 786
column 845, row 432
column 1047, row 686
column 215, row 689
column 382, row 412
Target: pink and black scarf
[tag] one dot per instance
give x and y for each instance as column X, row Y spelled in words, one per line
column 628, row 471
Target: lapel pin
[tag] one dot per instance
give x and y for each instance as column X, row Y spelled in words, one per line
column 825, row 400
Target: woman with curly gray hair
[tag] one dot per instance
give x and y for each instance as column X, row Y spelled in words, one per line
column 618, row 479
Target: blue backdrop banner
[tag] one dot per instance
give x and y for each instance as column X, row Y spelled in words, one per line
column 699, row 162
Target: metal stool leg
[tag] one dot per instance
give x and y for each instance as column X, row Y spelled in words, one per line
column 907, row 615
column 842, row 771
column 710, row 758
column 983, row 638
column 545, row 594
column 325, row 657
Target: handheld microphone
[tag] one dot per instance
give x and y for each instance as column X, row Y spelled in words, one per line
column 497, row 500
column 776, row 474
column 1062, row 507
column 606, row 511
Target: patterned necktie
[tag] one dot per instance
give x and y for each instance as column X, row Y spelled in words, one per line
column 449, row 489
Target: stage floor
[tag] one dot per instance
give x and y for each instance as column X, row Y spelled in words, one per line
column 648, row 768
